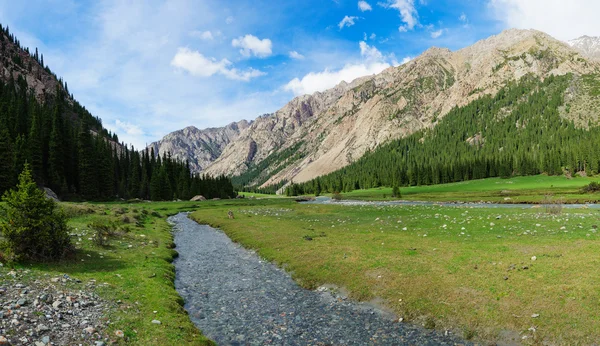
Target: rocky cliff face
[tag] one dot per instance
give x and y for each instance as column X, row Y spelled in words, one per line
column 587, row 45
column 19, row 63
column 328, row 130
column 200, row 147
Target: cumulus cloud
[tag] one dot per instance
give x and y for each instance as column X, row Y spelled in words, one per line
column 563, row 20
column 408, row 13
column 463, row 17
column 198, row 65
column 347, row 21
column 252, row 45
column 364, row 6
column 405, row 60
column 373, row 61
column 229, row 20
column 296, row 55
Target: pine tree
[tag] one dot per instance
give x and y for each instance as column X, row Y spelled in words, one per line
column 33, row 227
column 6, row 161
column 56, row 171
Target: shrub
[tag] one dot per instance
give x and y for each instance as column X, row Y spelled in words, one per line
column 102, row 233
column 32, row 226
column 591, row 187
column 396, row 192
column 336, row 196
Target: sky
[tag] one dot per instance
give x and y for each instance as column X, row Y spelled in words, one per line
column 150, row 67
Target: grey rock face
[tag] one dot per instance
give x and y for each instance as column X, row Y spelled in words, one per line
column 200, row 147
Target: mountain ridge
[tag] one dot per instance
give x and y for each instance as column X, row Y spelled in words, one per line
column 337, row 126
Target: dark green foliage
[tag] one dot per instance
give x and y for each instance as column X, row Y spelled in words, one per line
column 32, row 226
column 522, row 131
column 591, row 187
column 396, row 192
column 70, row 152
column 6, row 161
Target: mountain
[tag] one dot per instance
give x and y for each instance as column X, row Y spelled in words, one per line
column 317, row 134
column 587, row 45
column 199, row 147
column 68, row 150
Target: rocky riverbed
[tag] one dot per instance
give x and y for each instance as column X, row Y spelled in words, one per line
column 236, row 298
column 50, row 311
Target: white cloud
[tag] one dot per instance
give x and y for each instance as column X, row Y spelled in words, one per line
column 405, row 60
column 203, row 35
column 563, row 20
column 436, row 34
column 128, row 128
column 364, row 6
column 229, row 20
column 373, row 36
column 347, row 21
column 463, row 17
column 296, row 55
column 408, row 13
column 200, row 66
column 373, row 61
column 252, row 45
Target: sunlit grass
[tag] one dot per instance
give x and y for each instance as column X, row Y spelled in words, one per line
column 465, row 268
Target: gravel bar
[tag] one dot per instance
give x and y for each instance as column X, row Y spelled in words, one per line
column 236, row 298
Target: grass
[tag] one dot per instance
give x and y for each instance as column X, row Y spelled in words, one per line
column 530, row 189
column 140, row 276
column 461, row 268
column 260, row 195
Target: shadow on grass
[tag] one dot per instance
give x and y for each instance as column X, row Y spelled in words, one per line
column 91, row 263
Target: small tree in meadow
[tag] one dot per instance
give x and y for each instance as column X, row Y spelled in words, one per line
column 32, row 226
column 396, row 192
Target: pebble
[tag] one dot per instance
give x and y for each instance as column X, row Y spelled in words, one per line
column 236, row 298
column 48, row 312
column 155, row 322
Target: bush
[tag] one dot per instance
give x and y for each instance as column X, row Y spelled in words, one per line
column 102, row 232
column 591, row 187
column 336, row 196
column 32, row 226
column 396, row 192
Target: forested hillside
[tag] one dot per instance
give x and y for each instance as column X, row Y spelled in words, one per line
column 519, row 131
column 69, row 150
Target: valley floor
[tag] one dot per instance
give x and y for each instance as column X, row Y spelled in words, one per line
column 528, row 189
column 520, row 275
column 512, row 275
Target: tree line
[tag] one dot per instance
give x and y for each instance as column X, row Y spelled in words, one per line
column 519, row 131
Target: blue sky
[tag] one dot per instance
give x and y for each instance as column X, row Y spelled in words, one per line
column 151, row 67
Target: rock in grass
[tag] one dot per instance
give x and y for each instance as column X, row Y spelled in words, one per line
column 119, row 334
column 156, row 322
column 535, row 315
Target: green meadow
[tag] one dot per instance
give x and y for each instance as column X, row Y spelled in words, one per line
column 507, row 274
column 501, row 274
column 529, row 189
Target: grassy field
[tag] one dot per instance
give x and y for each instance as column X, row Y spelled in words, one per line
column 493, row 274
column 134, row 269
column 531, row 189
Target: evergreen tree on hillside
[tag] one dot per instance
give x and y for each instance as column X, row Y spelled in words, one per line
column 6, row 161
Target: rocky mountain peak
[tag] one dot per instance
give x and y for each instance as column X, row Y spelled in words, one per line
column 587, row 45
column 316, row 134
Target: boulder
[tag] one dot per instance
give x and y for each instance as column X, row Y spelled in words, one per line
column 51, row 195
column 198, row 198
